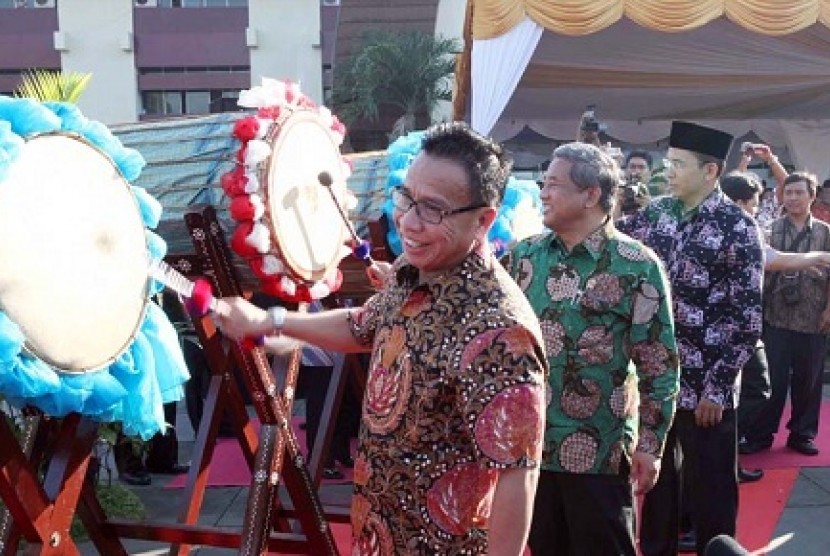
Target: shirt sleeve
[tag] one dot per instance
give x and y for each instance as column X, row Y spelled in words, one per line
column 363, row 321
column 501, row 389
column 654, row 353
column 741, row 319
column 635, row 225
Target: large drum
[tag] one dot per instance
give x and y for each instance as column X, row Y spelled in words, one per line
column 79, row 332
column 72, row 244
column 291, row 223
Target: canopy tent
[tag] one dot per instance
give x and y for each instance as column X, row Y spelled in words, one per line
column 738, row 65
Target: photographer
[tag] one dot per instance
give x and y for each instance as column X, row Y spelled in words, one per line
column 634, row 193
column 637, row 166
column 589, row 128
column 796, row 320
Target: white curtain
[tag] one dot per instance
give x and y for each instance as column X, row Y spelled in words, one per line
column 808, row 142
column 497, row 66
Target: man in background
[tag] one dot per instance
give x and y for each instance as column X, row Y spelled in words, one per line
column 796, row 321
column 603, row 303
column 712, row 252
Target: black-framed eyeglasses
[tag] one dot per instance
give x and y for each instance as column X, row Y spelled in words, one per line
column 426, row 211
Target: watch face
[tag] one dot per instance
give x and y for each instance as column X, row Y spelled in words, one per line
column 277, row 315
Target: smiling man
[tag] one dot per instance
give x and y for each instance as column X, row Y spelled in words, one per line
column 712, row 252
column 603, row 302
column 449, row 447
column 796, row 321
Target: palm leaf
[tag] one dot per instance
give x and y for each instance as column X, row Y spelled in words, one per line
column 409, row 71
column 47, row 85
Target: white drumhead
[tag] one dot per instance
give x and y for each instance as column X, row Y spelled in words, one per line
column 306, row 223
column 73, row 251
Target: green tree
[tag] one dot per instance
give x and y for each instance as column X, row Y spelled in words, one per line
column 47, row 85
column 409, row 72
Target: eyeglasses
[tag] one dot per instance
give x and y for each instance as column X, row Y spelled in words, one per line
column 426, row 211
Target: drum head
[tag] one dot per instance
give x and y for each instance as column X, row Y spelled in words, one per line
column 72, row 242
column 304, row 220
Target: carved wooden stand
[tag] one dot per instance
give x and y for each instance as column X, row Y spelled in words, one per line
column 272, row 455
column 42, row 512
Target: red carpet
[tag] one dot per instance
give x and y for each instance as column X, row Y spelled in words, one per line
column 780, row 456
column 761, row 505
column 228, row 468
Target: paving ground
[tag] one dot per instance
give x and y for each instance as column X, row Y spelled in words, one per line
column 807, row 513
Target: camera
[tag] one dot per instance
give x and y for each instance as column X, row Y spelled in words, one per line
column 589, row 123
column 630, row 198
column 791, row 287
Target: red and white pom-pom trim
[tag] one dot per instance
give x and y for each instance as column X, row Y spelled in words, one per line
column 273, row 99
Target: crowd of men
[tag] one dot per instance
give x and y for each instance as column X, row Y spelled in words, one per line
column 526, row 401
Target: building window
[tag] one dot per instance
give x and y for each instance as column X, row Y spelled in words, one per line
column 177, row 103
column 206, row 69
column 203, row 3
column 27, row 4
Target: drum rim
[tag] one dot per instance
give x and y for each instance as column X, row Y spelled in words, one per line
column 274, row 137
column 146, row 297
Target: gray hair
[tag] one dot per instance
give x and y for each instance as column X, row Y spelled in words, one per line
column 592, row 167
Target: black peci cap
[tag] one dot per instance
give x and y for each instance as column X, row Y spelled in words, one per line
column 700, row 139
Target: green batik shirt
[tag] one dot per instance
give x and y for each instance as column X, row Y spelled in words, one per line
column 605, row 312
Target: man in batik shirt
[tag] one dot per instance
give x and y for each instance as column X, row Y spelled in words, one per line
column 449, row 448
column 712, row 252
column 602, row 301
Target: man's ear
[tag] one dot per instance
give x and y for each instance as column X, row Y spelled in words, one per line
column 594, row 195
column 487, row 217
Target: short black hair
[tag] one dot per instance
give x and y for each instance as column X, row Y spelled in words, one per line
column 741, row 186
column 810, row 179
column 486, row 163
column 645, row 155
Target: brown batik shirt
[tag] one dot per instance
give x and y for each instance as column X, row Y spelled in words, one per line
column 454, row 395
column 805, row 314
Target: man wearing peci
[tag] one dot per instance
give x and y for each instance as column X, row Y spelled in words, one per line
column 712, row 251
column 603, row 303
column 450, row 441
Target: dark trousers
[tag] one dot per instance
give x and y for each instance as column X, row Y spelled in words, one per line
column 755, row 390
column 796, row 363
column 163, row 450
column 577, row 514
column 708, row 459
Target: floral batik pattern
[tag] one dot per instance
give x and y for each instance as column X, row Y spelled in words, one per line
column 454, row 395
column 713, row 257
column 602, row 305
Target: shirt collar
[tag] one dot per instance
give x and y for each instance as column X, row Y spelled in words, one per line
column 705, row 207
column 593, row 243
column 408, row 275
column 808, row 224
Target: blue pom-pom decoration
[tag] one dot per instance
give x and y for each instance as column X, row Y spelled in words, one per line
column 152, row 370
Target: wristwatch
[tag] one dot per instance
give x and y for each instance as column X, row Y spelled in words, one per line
column 276, row 316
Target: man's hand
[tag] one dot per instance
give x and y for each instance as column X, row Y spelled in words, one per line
column 645, row 469
column 238, row 319
column 378, row 273
column 708, row 414
column 762, row 151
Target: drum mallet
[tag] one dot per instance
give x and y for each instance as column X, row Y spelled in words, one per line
column 362, row 249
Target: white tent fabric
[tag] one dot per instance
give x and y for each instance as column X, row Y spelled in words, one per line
column 500, row 63
column 640, row 79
